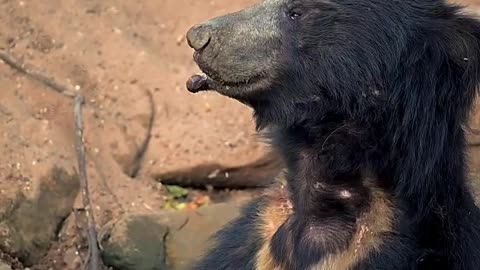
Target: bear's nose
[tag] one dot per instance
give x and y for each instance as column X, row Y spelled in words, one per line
column 198, row 36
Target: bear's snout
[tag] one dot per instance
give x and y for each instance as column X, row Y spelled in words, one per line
column 198, row 36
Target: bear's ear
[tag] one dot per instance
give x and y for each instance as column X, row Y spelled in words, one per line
column 463, row 45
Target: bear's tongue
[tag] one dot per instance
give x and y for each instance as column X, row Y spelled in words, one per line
column 197, row 82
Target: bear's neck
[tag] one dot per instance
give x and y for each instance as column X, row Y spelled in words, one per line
column 426, row 165
column 325, row 163
column 428, row 176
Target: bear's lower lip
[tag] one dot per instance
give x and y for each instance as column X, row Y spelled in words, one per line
column 197, row 83
column 203, row 82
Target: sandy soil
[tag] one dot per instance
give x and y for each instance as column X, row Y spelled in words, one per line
column 116, row 52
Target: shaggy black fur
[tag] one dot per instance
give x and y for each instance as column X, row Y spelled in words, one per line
column 377, row 86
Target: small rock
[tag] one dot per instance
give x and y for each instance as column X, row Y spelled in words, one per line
column 32, row 225
column 188, row 241
column 180, row 39
column 136, row 243
column 167, row 240
column 72, row 259
column 4, row 266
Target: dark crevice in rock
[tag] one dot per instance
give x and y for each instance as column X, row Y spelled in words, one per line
column 142, row 150
column 257, row 174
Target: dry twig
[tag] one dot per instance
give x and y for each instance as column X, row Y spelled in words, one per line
column 35, row 74
column 94, row 254
column 138, row 159
column 93, row 257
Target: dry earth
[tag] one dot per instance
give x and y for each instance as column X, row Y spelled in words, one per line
column 119, row 53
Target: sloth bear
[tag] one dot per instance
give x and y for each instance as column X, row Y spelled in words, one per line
column 366, row 101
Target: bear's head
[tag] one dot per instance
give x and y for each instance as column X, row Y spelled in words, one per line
column 360, row 59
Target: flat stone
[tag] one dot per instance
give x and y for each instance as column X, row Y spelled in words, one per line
column 4, row 266
column 33, row 223
column 136, row 243
column 167, row 240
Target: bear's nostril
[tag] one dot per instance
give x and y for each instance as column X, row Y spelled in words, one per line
column 198, row 37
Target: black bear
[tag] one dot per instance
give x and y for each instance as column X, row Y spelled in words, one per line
column 366, row 101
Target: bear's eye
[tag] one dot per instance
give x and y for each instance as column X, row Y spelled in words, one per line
column 294, row 15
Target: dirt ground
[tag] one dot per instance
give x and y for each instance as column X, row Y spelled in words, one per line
column 119, row 53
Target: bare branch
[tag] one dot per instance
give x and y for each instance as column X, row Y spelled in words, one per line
column 257, row 174
column 35, row 74
column 94, row 254
column 138, row 159
column 474, row 131
column 473, row 144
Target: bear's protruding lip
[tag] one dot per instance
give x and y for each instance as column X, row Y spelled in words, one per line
column 210, row 79
column 198, row 82
column 203, row 82
column 207, row 80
